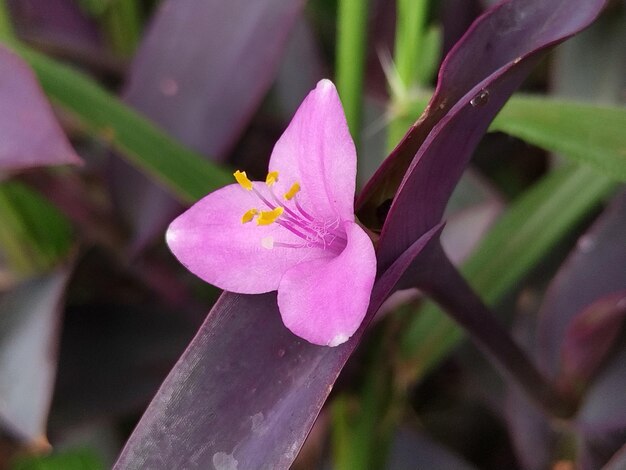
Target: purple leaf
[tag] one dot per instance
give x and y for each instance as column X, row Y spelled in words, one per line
column 200, row 73
column 589, row 338
column 246, row 389
column 508, row 41
column 29, row 320
column 593, row 271
column 30, row 136
column 204, row 66
column 56, row 21
column 591, row 286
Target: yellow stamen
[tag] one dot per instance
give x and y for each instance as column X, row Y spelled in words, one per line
column 248, row 216
column 295, row 188
column 243, row 180
column 269, row 217
column 271, row 178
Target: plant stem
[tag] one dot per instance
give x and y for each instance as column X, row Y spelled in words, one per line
column 409, row 43
column 6, row 28
column 350, row 63
column 409, row 48
column 444, row 284
column 122, row 22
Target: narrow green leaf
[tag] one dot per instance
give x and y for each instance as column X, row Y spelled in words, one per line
column 75, row 459
column 187, row 174
column 34, row 235
column 529, row 229
column 590, row 134
column 587, row 133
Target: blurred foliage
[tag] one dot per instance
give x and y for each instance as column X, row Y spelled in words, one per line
column 34, row 234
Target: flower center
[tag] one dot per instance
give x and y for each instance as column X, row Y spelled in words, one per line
column 290, row 215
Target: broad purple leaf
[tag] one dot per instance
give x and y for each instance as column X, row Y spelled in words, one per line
column 590, row 337
column 204, row 66
column 60, row 22
column 30, row 136
column 593, row 271
column 29, row 320
column 200, row 73
column 591, row 282
column 246, row 392
column 477, row 77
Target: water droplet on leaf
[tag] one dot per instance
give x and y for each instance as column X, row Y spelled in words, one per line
column 481, row 99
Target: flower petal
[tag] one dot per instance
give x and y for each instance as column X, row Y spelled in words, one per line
column 325, row 300
column 213, row 243
column 316, row 150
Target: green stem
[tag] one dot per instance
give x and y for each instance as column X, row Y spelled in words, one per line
column 122, row 21
column 7, row 33
column 409, row 46
column 351, row 39
column 411, row 21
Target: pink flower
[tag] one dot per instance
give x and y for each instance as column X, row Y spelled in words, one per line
column 294, row 233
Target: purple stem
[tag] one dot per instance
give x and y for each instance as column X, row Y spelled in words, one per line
column 446, row 286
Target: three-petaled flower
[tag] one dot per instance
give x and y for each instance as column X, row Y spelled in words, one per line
column 295, row 232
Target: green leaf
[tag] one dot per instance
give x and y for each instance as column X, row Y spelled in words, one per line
column 587, row 133
column 590, row 134
column 528, row 230
column 34, row 235
column 76, row 459
column 184, row 172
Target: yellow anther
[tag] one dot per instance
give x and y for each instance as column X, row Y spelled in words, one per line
column 271, row 178
column 243, row 180
column 295, row 188
column 248, row 216
column 269, row 217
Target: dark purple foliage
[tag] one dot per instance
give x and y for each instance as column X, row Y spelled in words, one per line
column 61, row 22
column 25, row 108
column 580, row 340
